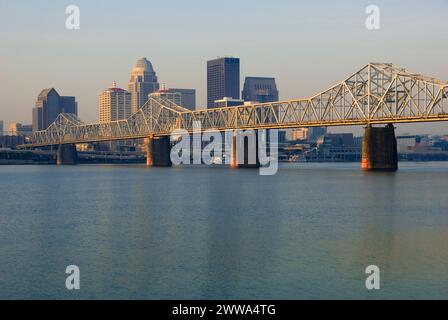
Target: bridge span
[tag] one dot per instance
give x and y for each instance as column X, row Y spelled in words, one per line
column 378, row 93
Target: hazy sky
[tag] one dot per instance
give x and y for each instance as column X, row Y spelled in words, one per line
column 305, row 45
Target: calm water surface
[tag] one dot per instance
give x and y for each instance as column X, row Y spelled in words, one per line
column 214, row 233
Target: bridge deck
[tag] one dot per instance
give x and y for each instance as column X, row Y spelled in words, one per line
column 376, row 94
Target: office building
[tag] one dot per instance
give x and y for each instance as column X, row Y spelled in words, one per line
column 174, row 97
column 114, row 104
column 188, row 97
column 49, row 105
column 223, row 79
column 311, row 134
column 260, row 89
column 18, row 129
column 298, row 134
column 142, row 82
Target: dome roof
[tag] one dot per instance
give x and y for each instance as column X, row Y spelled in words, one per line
column 143, row 64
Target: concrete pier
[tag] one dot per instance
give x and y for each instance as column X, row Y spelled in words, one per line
column 379, row 149
column 244, row 152
column 158, row 152
column 67, row 155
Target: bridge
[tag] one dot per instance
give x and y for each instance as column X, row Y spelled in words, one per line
column 379, row 93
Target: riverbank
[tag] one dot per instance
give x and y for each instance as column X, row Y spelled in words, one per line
column 26, row 157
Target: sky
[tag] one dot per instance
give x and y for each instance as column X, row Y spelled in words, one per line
column 306, row 45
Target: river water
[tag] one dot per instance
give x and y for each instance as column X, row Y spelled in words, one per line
column 308, row 232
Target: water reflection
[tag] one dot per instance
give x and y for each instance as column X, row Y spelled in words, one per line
column 180, row 233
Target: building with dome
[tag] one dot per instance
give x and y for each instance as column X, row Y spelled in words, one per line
column 142, row 82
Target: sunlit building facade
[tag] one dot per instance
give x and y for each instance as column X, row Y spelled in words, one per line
column 175, row 97
column 114, row 104
column 142, row 82
column 18, row 129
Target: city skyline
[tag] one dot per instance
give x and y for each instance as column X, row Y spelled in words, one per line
column 299, row 62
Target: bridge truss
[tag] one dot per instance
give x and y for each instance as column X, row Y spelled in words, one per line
column 378, row 93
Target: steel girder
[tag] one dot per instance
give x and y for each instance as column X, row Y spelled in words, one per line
column 378, row 93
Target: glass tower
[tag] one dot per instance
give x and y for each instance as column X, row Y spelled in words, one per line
column 223, row 79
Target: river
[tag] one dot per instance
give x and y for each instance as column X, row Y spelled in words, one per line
column 308, row 232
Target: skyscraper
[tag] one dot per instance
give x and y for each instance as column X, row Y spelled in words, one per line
column 1, row 127
column 260, row 89
column 188, row 97
column 174, row 97
column 114, row 104
column 143, row 81
column 49, row 105
column 223, row 79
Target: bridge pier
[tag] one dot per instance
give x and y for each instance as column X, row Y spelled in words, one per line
column 67, row 155
column 379, row 149
column 158, row 151
column 244, row 151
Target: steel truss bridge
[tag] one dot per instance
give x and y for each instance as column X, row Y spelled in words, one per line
column 379, row 93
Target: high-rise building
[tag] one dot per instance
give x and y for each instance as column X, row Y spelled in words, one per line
column 223, row 79
column 188, row 97
column 49, row 105
column 1, row 127
column 260, row 89
column 18, row 129
column 174, row 97
column 143, row 81
column 114, row 104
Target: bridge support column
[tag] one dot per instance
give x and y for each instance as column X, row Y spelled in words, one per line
column 158, row 151
column 379, row 149
column 67, row 155
column 244, row 151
